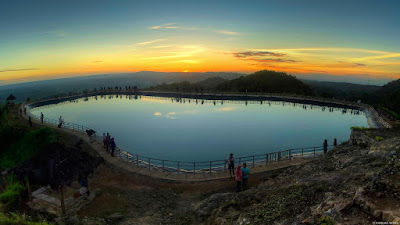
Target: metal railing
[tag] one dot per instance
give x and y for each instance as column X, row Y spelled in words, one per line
column 192, row 167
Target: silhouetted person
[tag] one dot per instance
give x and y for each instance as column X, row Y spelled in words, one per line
column 30, row 122
column 90, row 134
column 108, row 140
column 335, row 142
column 104, row 140
column 60, row 122
column 325, row 146
column 238, row 178
column 112, row 145
column 245, row 173
column 41, row 117
column 231, row 164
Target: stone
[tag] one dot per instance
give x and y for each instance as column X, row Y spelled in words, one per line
column 72, row 220
column 113, row 218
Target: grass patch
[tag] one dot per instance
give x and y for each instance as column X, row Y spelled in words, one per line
column 394, row 114
column 25, row 147
column 361, row 128
column 12, row 194
column 325, row 220
column 20, row 219
column 378, row 138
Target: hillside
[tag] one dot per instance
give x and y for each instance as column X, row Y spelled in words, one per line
column 41, row 89
column 267, row 81
column 204, row 85
column 390, row 97
column 261, row 81
column 342, row 90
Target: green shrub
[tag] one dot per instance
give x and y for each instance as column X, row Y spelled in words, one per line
column 13, row 192
column 325, row 220
column 31, row 142
column 361, row 128
column 378, row 138
column 19, row 219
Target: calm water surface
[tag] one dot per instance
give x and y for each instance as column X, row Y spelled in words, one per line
column 181, row 129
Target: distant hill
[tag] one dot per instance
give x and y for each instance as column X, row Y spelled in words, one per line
column 144, row 79
column 204, row 85
column 389, row 97
column 267, row 81
column 342, row 90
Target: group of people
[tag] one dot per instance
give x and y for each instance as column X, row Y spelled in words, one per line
column 241, row 174
column 109, row 142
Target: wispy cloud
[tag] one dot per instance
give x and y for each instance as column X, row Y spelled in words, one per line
column 98, row 61
column 151, row 42
column 162, row 46
column 171, row 26
column 359, row 64
column 383, row 56
column 259, row 56
column 227, row 32
column 257, row 53
column 272, row 60
column 16, row 70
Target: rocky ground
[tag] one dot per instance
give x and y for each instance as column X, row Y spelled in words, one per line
column 355, row 183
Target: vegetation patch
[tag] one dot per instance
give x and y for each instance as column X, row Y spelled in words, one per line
column 325, row 220
column 20, row 219
column 361, row 128
column 12, row 194
column 379, row 138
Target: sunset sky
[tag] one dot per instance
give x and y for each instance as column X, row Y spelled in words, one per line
column 51, row 39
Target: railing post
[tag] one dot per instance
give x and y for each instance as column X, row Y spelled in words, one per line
column 137, row 159
column 279, row 156
column 290, row 154
column 194, row 167
column 253, row 161
column 210, row 166
column 266, row 159
column 163, row 164
column 178, row 167
column 302, row 152
column 314, row 152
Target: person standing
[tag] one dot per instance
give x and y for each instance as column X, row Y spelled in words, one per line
column 245, row 174
column 104, row 140
column 112, row 145
column 335, row 142
column 108, row 140
column 231, row 164
column 30, row 121
column 239, row 178
column 325, row 146
column 41, row 117
column 60, row 122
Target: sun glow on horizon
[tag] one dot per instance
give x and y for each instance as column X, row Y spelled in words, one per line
column 191, row 44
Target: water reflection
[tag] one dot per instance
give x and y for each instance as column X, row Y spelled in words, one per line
column 201, row 129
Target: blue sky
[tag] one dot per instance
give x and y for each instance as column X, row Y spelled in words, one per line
column 46, row 39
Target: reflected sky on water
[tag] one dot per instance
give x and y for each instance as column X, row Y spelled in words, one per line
column 200, row 130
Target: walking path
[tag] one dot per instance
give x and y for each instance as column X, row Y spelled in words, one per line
column 167, row 175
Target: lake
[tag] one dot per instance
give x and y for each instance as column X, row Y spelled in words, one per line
column 200, row 130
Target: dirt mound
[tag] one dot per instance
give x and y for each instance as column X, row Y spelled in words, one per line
column 57, row 164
